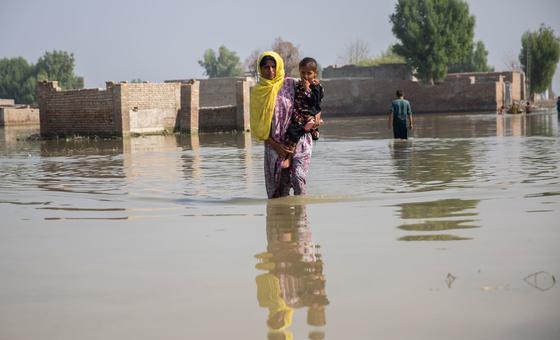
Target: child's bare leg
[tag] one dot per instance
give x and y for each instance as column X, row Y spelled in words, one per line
column 309, row 125
column 285, row 163
column 318, row 119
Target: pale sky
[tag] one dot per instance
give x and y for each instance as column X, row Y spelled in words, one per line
column 164, row 39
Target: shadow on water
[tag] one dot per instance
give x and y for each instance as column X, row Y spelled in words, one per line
column 293, row 272
column 437, row 216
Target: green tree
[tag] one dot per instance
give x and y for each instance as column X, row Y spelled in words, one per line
column 225, row 64
column 59, row 66
column 540, row 52
column 17, row 80
column 433, row 34
column 475, row 61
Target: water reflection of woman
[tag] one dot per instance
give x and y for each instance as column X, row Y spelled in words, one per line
column 294, row 271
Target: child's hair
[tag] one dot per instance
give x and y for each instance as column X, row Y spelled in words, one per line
column 307, row 61
column 265, row 59
column 400, row 93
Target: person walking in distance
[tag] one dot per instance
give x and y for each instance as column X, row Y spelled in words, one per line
column 400, row 113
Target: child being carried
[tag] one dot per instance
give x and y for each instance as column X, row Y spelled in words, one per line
column 306, row 116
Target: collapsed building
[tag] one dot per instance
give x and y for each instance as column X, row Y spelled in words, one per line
column 123, row 109
column 222, row 104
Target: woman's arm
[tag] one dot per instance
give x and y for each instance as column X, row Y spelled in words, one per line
column 281, row 149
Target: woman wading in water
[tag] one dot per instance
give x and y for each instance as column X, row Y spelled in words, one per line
column 272, row 101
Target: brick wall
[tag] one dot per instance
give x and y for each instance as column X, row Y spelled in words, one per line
column 517, row 80
column 88, row 111
column 217, row 91
column 368, row 96
column 126, row 108
column 220, row 118
column 151, row 107
column 189, row 112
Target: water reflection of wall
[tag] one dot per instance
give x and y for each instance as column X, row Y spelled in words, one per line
column 520, row 125
column 432, row 165
column 81, row 166
column 10, row 135
column 151, row 159
column 453, row 125
column 437, row 216
column 208, row 157
column 293, row 268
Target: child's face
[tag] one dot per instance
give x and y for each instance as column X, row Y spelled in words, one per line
column 307, row 72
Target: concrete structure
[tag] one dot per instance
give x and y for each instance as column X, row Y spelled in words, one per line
column 12, row 114
column 380, row 72
column 123, row 109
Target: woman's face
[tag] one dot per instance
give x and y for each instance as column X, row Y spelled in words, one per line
column 268, row 70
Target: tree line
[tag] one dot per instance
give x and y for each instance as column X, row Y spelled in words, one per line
column 434, row 37
column 18, row 78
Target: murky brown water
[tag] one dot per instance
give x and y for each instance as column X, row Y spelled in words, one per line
column 453, row 234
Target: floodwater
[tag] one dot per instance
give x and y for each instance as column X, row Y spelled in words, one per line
column 452, row 234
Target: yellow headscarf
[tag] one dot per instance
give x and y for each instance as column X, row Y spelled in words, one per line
column 263, row 97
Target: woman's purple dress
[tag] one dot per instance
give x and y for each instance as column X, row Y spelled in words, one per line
column 279, row 181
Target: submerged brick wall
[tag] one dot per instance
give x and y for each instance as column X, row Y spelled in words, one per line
column 222, row 103
column 367, row 96
column 517, row 80
column 151, row 107
column 218, row 91
column 126, row 108
column 89, row 111
column 218, row 118
column 189, row 112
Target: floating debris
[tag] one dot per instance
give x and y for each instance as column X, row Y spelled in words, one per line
column 541, row 280
column 450, row 279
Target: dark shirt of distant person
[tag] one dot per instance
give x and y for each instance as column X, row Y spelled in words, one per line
column 528, row 107
column 558, row 105
column 399, row 115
